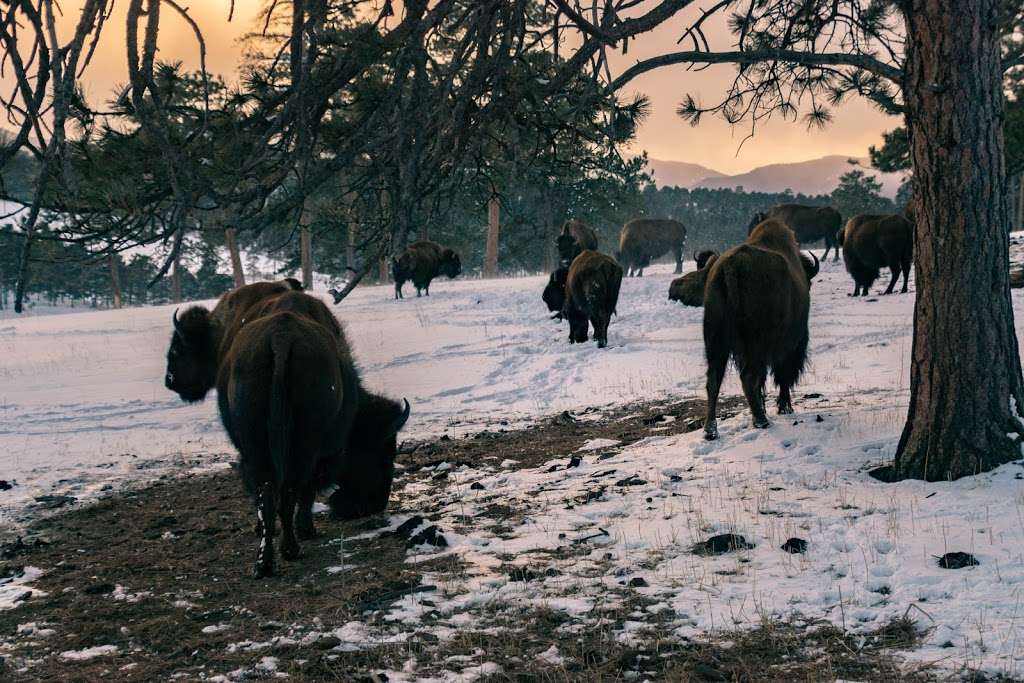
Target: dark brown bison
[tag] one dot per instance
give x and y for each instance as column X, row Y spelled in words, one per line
column 422, row 262
column 644, row 239
column 872, row 242
column 291, row 401
column 689, row 289
column 574, row 238
column 809, row 223
column 756, row 303
column 591, row 293
column 554, row 292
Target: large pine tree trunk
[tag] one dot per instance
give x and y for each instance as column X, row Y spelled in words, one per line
column 236, row 258
column 176, row 280
column 115, row 281
column 965, row 372
column 493, row 225
column 306, row 252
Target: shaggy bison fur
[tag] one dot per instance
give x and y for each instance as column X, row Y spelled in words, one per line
column 689, row 289
column 575, row 237
column 756, row 303
column 644, row 239
column 872, row 242
column 290, row 399
column 422, row 262
column 591, row 294
column 808, row 223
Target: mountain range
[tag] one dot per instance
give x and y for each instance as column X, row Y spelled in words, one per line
column 815, row 176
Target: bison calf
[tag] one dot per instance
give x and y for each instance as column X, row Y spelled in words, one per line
column 575, row 237
column 872, row 242
column 689, row 289
column 756, row 304
column 591, row 293
column 422, row 262
column 644, row 239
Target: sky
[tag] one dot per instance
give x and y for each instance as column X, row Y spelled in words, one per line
column 714, row 144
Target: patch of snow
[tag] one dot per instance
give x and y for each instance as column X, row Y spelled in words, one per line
column 88, row 653
column 598, row 444
column 15, row 589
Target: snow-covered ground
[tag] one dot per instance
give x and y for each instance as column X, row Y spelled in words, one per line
column 83, row 408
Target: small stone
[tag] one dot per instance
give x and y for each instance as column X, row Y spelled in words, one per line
column 406, row 528
column 957, row 561
column 574, row 461
column 638, row 582
column 795, row 545
column 819, row 419
column 723, row 543
column 630, row 481
column 6, row 485
column 477, row 486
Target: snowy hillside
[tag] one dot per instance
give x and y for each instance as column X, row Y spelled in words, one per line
column 82, row 408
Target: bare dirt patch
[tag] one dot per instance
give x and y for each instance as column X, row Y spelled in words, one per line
column 162, row 574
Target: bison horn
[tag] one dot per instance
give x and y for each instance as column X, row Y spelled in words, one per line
column 403, row 418
column 174, row 319
column 817, row 267
column 695, row 255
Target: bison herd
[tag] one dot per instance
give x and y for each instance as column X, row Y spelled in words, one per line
column 292, row 403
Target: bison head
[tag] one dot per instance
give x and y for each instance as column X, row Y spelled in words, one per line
column 704, row 258
column 811, row 267
column 365, row 482
column 568, row 248
column 554, row 292
column 758, row 218
column 450, row 264
column 192, row 357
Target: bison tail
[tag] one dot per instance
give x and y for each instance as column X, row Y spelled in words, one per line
column 614, row 282
column 279, row 423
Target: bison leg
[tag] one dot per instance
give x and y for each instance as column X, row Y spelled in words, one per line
column 265, row 522
column 577, row 327
column 895, row 268
column 753, row 379
column 679, row 259
column 286, row 510
column 905, row 265
column 716, row 371
column 419, row 291
column 398, row 289
column 600, row 331
column 304, row 517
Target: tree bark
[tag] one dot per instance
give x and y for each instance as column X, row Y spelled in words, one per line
column 306, row 251
column 965, row 376
column 350, row 247
column 115, row 281
column 176, row 280
column 493, row 225
column 236, row 258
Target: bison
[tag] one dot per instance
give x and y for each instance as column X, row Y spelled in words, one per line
column 689, row 289
column 422, row 262
column 291, row 401
column 591, row 293
column 645, row 239
column 756, row 303
column 574, row 238
column 871, row 242
column 554, row 292
column 809, row 223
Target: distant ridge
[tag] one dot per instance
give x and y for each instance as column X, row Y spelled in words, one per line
column 816, row 176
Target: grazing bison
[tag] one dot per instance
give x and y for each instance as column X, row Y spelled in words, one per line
column 422, row 262
column 756, row 303
column 291, row 401
column 574, row 238
column 872, row 242
column 554, row 292
column 591, row 293
column 645, row 239
column 809, row 223
column 689, row 289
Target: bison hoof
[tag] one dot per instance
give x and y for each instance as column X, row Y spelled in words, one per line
column 711, row 432
column 785, row 410
column 306, row 533
column 290, row 552
column 762, row 423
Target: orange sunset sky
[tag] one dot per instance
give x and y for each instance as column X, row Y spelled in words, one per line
column 664, row 135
